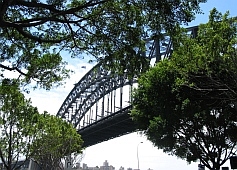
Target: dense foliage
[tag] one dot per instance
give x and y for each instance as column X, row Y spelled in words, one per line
column 57, row 140
column 22, row 128
column 35, row 33
column 188, row 105
column 15, row 124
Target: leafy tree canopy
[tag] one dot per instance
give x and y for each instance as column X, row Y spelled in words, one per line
column 25, row 134
column 35, row 32
column 187, row 105
column 57, row 140
column 15, row 124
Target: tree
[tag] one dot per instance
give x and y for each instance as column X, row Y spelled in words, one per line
column 34, row 33
column 187, row 105
column 58, row 139
column 22, row 128
column 15, row 125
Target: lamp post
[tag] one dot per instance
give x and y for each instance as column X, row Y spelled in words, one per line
column 138, row 155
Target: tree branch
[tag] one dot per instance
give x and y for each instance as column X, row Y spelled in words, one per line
column 13, row 68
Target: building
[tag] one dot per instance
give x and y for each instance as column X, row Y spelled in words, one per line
column 106, row 166
column 121, row 168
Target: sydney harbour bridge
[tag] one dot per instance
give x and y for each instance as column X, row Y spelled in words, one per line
column 99, row 104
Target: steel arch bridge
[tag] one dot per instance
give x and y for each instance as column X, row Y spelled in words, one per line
column 99, row 104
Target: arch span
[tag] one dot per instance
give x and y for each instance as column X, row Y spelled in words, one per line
column 99, row 104
column 89, row 91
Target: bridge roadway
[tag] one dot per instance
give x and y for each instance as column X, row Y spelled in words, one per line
column 109, row 127
column 98, row 105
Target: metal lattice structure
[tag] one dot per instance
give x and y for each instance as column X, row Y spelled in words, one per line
column 97, row 83
column 98, row 97
column 99, row 104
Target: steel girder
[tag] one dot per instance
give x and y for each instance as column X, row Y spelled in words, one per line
column 109, row 127
column 90, row 89
column 99, row 81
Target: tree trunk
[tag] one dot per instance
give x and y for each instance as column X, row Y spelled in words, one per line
column 216, row 166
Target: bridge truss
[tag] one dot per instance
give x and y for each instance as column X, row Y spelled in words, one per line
column 99, row 104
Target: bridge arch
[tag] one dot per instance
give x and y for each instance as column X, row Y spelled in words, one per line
column 93, row 87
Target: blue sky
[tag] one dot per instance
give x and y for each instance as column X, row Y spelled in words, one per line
column 221, row 5
column 122, row 151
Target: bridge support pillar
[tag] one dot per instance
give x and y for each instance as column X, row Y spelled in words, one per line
column 157, row 49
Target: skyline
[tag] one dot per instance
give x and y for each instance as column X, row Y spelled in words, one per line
column 122, row 151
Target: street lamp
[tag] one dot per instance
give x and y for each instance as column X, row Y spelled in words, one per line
column 138, row 156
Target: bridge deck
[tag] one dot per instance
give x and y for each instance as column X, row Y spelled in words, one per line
column 117, row 124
